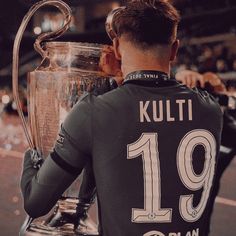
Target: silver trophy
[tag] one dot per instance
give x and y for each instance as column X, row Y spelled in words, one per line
column 66, row 72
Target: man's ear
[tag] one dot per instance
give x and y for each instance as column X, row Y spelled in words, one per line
column 116, row 45
column 174, row 50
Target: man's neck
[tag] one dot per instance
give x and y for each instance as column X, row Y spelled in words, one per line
column 127, row 69
column 138, row 62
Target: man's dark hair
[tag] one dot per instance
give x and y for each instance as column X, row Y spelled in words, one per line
column 147, row 23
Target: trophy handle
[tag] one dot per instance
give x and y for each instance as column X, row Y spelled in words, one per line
column 65, row 9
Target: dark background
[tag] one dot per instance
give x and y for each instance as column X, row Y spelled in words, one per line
column 199, row 19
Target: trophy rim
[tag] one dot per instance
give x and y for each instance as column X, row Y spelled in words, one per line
column 75, row 45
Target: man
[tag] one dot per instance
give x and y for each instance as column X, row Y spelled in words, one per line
column 153, row 142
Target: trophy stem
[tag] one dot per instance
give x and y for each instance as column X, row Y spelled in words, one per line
column 25, row 226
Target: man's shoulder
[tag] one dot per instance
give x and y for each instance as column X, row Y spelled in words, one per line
column 81, row 110
column 208, row 102
column 91, row 97
column 85, row 101
column 114, row 96
column 89, row 103
column 205, row 96
column 85, row 98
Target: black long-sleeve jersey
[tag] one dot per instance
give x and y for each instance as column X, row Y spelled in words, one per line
column 154, row 147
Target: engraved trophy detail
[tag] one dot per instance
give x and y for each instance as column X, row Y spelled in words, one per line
column 66, row 72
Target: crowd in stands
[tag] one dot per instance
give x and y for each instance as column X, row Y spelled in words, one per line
column 216, row 58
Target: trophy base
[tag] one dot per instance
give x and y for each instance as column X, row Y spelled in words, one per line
column 63, row 222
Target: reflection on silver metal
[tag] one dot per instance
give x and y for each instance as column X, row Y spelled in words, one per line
column 67, row 71
column 70, row 70
column 87, row 227
column 65, row 9
column 110, row 27
column 65, row 213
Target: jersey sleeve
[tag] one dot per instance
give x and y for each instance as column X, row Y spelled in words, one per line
column 41, row 189
column 74, row 141
column 211, row 101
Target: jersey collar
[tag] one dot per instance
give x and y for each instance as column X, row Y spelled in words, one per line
column 149, row 78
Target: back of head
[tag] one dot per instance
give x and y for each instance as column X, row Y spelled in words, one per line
column 147, row 23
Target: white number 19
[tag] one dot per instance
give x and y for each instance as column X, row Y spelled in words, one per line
column 147, row 147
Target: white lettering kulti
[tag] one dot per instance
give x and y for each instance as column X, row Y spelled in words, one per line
column 166, row 110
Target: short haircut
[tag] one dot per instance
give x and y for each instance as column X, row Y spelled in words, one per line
column 147, row 23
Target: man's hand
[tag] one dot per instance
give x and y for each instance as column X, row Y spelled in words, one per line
column 194, row 79
column 110, row 65
column 28, row 170
column 32, row 159
column 190, row 78
column 215, row 82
